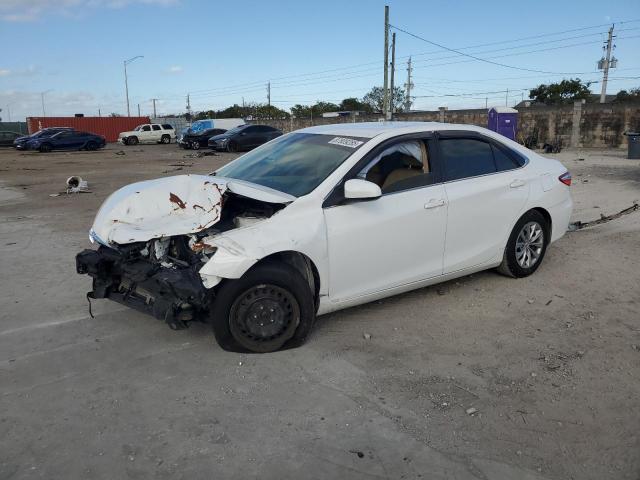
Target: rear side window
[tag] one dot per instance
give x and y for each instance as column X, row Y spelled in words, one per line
column 166, row 126
column 466, row 157
column 156, row 127
column 503, row 161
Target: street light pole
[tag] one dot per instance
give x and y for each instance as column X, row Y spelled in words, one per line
column 44, row 114
column 126, row 80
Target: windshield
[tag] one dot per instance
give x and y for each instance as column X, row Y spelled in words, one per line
column 294, row 164
column 235, row 130
column 138, row 128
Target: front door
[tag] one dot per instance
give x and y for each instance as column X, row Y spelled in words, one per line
column 395, row 239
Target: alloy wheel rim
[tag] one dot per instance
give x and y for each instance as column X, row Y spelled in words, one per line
column 529, row 244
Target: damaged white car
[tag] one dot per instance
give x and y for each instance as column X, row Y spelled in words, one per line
column 322, row 219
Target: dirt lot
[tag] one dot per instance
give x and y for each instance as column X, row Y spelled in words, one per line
column 550, row 362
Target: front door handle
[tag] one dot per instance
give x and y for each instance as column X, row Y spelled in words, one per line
column 433, row 203
column 517, row 184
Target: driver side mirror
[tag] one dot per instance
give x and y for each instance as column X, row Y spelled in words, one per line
column 357, row 188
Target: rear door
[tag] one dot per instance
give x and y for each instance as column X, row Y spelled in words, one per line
column 486, row 190
column 156, row 133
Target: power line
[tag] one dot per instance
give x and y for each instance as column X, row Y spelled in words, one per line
column 474, row 57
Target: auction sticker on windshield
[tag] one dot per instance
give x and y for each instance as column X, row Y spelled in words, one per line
column 346, row 142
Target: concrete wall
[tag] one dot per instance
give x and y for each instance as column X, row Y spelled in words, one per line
column 578, row 125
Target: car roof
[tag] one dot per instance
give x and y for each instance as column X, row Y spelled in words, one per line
column 373, row 129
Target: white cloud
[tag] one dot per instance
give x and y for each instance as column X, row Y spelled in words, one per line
column 174, row 69
column 30, row 10
column 22, row 72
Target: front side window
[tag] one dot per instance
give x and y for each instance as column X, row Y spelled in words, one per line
column 402, row 166
column 146, row 128
column 466, row 157
column 295, row 164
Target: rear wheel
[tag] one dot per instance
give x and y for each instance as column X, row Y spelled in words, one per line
column 132, row 141
column 165, row 139
column 45, row 147
column 526, row 246
column 268, row 308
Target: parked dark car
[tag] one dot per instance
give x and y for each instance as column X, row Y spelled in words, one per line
column 197, row 140
column 7, row 138
column 21, row 142
column 67, row 140
column 244, row 137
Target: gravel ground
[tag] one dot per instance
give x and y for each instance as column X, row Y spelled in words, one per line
column 549, row 364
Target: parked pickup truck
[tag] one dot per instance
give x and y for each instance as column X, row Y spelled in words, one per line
column 148, row 133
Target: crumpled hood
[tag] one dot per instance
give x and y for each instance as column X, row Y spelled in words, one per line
column 170, row 206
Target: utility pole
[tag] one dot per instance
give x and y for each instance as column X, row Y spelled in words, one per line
column 393, row 72
column 269, row 93
column 126, row 80
column 486, row 102
column 385, row 98
column 154, row 107
column 506, row 99
column 188, row 107
column 407, row 87
column 139, row 110
column 606, row 63
column 99, row 113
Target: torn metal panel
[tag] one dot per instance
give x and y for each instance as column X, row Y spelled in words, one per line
column 160, row 208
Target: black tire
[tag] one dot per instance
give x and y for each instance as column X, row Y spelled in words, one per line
column 510, row 265
column 91, row 146
column 165, row 139
column 132, row 141
column 268, row 286
column 195, row 145
column 45, row 147
column 232, row 147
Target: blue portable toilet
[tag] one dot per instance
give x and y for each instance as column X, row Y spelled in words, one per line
column 503, row 120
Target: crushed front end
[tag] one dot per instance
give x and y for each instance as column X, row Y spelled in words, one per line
column 159, row 277
column 153, row 241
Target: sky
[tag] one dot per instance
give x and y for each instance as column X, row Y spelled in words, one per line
column 223, row 52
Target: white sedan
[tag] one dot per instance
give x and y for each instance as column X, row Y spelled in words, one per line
column 322, row 219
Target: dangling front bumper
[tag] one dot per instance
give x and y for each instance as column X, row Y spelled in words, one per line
column 174, row 294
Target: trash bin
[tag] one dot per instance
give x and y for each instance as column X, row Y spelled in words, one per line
column 633, row 139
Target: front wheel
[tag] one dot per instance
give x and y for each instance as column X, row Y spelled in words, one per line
column 268, row 308
column 91, row 146
column 132, row 141
column 526, row 246
column 195, row 145
column 232, row 147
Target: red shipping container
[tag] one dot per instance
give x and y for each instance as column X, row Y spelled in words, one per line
column 108, row 127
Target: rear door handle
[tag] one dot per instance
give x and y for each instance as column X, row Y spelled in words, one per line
column 433, row 203
column 517, row 184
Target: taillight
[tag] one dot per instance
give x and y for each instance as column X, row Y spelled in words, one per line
column 565, row 178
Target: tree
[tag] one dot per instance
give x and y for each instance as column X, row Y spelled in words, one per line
column 563, row 92
column 320, row 107
column 375, row 99
column 632, row 95
column 352, row 104
column 269, row 112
